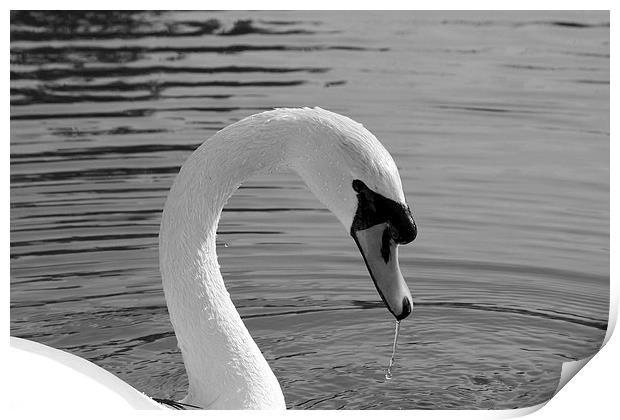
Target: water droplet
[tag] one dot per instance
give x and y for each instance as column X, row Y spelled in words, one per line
column 388, row 372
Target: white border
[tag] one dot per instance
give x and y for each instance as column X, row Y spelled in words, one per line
column 592, row 394
column 317, row 5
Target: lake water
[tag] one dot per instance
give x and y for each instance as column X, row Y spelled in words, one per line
column 499, row 123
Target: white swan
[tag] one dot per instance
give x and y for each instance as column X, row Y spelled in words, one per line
column 348, row 170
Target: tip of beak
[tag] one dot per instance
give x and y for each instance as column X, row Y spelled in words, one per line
column 407, row 308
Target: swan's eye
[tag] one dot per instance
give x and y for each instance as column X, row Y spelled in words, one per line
column 394, row 233
column 374, row 208
column 402, row 226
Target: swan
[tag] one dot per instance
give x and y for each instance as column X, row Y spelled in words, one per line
column 346, row 168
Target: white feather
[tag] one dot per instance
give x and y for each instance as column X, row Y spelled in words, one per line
column 224, row 365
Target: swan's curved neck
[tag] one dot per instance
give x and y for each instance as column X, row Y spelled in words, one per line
column 225, row 367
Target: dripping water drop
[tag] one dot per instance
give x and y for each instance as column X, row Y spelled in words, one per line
column 388, row 372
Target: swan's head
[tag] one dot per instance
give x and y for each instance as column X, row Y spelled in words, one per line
column 351, row 172
column 381, row 224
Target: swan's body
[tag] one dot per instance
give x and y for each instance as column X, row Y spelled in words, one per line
column 40, row 374
column 348, row 170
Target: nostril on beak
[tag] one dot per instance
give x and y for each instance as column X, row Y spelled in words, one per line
column 407, row 308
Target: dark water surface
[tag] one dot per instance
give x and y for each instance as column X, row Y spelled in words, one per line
column 499, row 123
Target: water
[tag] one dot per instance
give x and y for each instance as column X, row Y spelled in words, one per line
column 499, row 123
column 388, row 372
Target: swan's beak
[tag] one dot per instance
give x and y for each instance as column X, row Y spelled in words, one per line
column 380, row 253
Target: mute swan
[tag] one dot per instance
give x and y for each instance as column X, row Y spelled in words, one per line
column 347, row 169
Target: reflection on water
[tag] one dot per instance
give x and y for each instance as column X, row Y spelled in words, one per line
column 499, row 123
